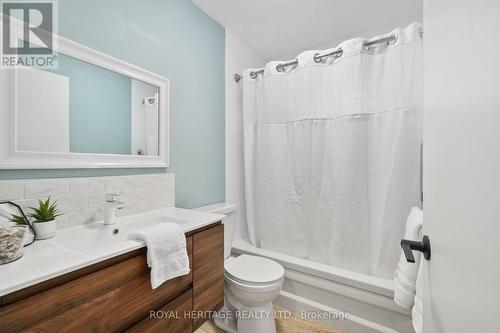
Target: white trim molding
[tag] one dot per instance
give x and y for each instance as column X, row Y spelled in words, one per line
column 12, row 158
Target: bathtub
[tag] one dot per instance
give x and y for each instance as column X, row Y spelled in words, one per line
column 315, row 289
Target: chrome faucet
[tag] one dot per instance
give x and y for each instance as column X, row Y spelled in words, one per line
column 111, row 205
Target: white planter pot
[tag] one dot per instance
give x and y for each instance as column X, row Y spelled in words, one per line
column 45, row 230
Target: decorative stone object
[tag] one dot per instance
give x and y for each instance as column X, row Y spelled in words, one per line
column 11, row 243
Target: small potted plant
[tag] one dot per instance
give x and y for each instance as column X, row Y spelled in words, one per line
column 18, row 220
column 44, row 219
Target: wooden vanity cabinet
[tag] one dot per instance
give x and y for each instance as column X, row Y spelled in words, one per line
column 208, row 273
column 116, row 296
column 180, row 324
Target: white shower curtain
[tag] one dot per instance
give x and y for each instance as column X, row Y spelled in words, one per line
column 332, row 153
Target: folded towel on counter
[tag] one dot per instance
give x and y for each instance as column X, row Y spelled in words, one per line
column 167, row 254
column 418, row 306
column 405, row 276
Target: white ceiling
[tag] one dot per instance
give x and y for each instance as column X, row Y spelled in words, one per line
column 280, row 28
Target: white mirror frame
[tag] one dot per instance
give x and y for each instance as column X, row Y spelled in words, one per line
column 12, row 158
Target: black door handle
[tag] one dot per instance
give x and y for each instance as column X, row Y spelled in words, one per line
column 424, row 246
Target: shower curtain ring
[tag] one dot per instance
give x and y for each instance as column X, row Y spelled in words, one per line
column 393, row 41
column 317, row 58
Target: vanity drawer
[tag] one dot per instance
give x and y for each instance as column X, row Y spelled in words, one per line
column 111, row 299
column 176, row 320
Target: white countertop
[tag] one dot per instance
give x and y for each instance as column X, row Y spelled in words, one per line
column 81, row 246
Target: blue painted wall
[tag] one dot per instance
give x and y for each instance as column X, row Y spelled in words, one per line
column 177, row 40
column 100, row 108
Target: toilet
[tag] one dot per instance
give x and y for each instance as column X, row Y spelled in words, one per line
column 251, row 283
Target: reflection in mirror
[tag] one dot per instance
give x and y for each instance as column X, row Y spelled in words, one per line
column 83, row 108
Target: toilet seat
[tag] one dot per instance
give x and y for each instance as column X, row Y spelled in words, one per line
column 251, row 284
column 254, row 271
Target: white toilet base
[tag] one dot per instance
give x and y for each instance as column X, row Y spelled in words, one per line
column 246, row 318
column 259, row 319
column 226, row 324
column 257, row 322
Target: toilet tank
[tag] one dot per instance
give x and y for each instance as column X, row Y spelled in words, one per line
column 227, row 209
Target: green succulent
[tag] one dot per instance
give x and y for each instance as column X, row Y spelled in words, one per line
column 18, row 219
column 45, row 212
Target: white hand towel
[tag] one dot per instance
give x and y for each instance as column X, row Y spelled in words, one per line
column 405, row 276
column 417, row 310
column 167, row 253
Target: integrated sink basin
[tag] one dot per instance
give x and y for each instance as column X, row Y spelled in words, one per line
column 97, row 236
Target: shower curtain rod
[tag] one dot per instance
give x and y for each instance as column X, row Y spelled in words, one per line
column 320, row 57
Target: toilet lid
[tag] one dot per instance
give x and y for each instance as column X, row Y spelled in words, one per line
column 252, row 269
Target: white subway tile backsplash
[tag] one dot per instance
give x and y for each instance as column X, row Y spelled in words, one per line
column 45, row 188
column 164, row 202
column 72, row 203
column 27, row 204
column 85, row 216
column 11, row 190
column 96, row 199
column 136, row 208
column 117, row 184
column 133, row 195
column 86, row 185
column 163, row 188
column 82, row 199
column 64, row 204
column 145, row 181
column 152, row 192
column 166, row 179
column 62, row 222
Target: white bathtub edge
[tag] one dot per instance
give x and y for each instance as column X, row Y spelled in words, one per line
column 380, row 286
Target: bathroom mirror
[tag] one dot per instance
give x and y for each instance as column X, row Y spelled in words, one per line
column 82, row 108
column 91, row 110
